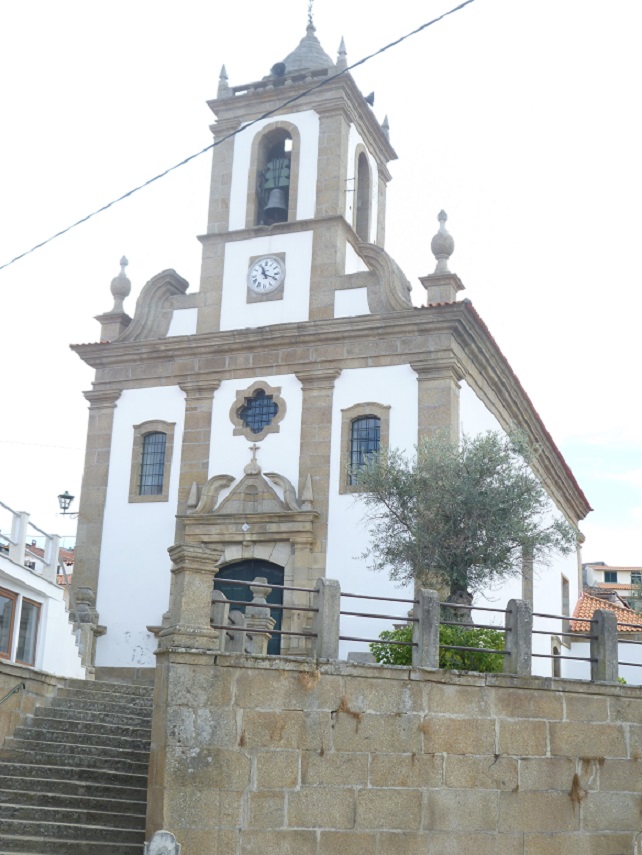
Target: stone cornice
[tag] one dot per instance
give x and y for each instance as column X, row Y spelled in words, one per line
column 105, row 398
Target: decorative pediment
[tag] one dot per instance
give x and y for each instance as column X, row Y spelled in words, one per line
column 253, row 494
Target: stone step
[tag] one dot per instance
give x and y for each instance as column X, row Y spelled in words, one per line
column 53, row 831
column 97, row 717
column 109, row 697
column 112, row 688
column 78, row 774
column 85, row 797
column 82, row 737
column 72, row 725
column 137, row 706
column 11, row 845
column 72, row 761
column 66, row 816
column 73, row 754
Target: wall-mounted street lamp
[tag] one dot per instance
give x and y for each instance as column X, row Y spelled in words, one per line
column 64, row 500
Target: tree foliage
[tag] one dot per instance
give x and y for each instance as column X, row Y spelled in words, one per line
column 459, row 660
column 459, row 517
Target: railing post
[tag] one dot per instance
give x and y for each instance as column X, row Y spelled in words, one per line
column 51, row 552
column 425, row 632
column 519, row 638
column 220, row 613
column 18, row 537
column 604, row 646
column 258, row 621
column 236, row 641
column 327, row 601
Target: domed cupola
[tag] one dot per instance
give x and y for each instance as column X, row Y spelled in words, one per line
column 308, row 55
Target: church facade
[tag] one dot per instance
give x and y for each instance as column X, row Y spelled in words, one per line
column 236, row 415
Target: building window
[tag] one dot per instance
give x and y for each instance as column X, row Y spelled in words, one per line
column 152, row 464
column 636, row 578
column 151, row 461
column 7, row 614
column 365, row 439
column 364, row 430
column 28, row 633
column 566, row 606
column 257, row 411
column 610, row 576
column 362, row 200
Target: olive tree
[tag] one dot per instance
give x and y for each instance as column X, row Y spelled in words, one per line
column 459, row 517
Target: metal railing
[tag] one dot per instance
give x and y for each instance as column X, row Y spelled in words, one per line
column 15, row 689
column 318, row 625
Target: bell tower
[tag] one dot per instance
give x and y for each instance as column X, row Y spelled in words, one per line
column 297, row 198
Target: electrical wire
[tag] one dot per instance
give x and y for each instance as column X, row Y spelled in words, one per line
column 234, row 133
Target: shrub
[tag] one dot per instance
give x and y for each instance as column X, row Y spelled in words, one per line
column 461, row 660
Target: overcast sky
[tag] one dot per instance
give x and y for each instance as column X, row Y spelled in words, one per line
column 521, row 119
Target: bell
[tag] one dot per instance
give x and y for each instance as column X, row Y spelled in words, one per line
column 277, row 206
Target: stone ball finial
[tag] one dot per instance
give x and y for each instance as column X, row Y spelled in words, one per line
column 120, row 287
column 442, row 245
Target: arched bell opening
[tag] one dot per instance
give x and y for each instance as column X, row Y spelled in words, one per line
column 247, row 571
column 363, row 198
column 273, row 178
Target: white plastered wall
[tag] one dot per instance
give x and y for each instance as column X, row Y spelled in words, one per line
column 307, row 123
column 396, row 387
column 183, row 322
column 134, row 580
column 237, row 312
column 354, row 140
column 547, row 580
column 56, row 648
column 278, row 452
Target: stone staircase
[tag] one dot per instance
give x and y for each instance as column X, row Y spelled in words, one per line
column 73, row 780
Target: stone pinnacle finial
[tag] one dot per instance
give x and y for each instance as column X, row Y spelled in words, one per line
column 223, row 85
column 342, row 56
column 385, row 127
column 442, row 245
column 120, row 287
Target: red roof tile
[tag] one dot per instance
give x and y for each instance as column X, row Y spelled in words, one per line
column 587, row 605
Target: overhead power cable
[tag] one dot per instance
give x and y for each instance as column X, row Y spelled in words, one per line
column 234, row 133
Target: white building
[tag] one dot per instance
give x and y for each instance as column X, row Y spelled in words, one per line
column 34, row 621
column 231, row 414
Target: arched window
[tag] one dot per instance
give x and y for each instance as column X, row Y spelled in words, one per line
column 152, row 464
column 151, row 461
column 365, row 428
column 247, row 571
column 273, row 178
column 363, row 197
column 365, row 439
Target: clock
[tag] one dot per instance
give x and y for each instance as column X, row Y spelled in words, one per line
column 266, row 274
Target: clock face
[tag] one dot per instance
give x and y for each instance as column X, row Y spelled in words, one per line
column 266, row 274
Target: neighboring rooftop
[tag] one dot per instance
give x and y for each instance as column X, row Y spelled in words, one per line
column 588, row 604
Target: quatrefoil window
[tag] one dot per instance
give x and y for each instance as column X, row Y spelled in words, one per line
column 257, row 411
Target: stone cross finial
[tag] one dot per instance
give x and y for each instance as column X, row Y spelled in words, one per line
column 442, row 245
column 253, row 467
column 310, row 21
column 120, row 287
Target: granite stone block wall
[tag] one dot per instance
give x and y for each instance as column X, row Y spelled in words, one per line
column 259, row 755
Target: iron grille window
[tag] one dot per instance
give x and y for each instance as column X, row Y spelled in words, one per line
column 636, row 578
column 365, row 436
column 258, row 411
column 152, row 464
